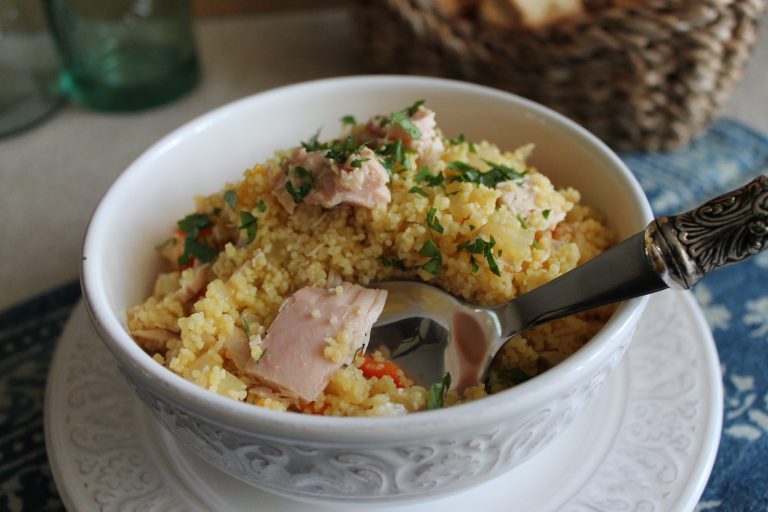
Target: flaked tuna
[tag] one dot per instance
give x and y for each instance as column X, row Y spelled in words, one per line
column 314, row 334
column 425, row 140
column 313, row 178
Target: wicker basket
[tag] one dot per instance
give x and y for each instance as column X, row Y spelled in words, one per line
column 646, row 76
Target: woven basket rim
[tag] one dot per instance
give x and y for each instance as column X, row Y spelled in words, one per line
column 678, row 16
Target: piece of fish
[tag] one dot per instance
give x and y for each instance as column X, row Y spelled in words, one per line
column 360, row 181
column 429, row 145
column 295, row 358
column 520, row 196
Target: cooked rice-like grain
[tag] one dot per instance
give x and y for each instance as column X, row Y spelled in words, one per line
column 316, row 246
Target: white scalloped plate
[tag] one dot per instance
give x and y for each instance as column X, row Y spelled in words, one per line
column 647, row 443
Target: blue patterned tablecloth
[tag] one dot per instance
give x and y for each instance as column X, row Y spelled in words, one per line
column 735, row 302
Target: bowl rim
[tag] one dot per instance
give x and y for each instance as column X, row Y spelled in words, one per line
column 247, row 417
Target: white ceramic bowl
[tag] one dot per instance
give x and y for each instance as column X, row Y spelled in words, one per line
column 350, row 460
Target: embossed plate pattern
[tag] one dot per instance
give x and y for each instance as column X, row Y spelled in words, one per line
column 647, row 443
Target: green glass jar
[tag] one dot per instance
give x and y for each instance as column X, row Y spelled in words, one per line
column 29, row 66
column 123, row 55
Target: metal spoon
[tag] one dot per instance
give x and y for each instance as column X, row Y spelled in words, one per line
column 428, row 331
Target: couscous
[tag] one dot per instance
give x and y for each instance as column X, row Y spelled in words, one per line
column 266, row 300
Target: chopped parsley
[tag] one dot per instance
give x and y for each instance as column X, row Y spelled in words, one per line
column 425, row 176
column 435, row 263
column 217, row 211
column 250, row 224
column 536, row 244
column 348, row 119
column 438, row 391
column 261, row 206
column 340, row 151
column 393, row 154
column 312, row 144
column 414, row 108
column 418, row 190
column 246, row 327
column 401, row 119
column 523, row 224
column 307, row 182
column 230, row 197
column 461, row 140
column 198, row 250
column 193, row 226
column 432, row 221
column 546, row 213
column 495, row 175
column 261, row 356
column 392, row 262
column 483, row 248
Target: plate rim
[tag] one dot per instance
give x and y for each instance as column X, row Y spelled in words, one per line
column 691, row 491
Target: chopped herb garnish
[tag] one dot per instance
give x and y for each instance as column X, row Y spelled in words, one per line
column 432, row 221
column 198, row 250
column 354, row 357
column 499, row 253
column 250, row 224
column 506, row 171
column 348, row 119
column 392, row 262
column 484, row 248
column 536, row 244
column 246, row 327
column 307, row 182
column 522, row 221
column 418, row 190
column 425, row 176
column 192, row 226
column 401, row 119
column 217, row 211
column 340, row 151
column 546, row 213
column 312, row 144
column 435, row 263
column 469, row 174
column 394, row 154
column 261, row 356
column 261, row 206
column 473, row 262
column 230, row 197
column 438, row 391
column 461, row 140
column 414, row 108
column 471, row 227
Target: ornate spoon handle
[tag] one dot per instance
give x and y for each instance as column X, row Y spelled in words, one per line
column 727, row 229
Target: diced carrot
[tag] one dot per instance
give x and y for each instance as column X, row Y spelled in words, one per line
column 373, row 368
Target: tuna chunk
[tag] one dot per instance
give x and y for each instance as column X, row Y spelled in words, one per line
column 532, row 193
column 360, row 181
column 314, row 334
column 429, row 145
